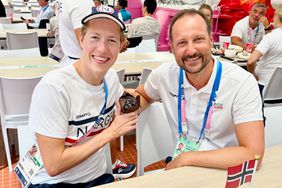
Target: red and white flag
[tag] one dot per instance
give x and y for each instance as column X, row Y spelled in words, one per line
column 241, row 174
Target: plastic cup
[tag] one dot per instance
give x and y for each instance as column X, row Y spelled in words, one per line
column 249, row 47
column 225, row 45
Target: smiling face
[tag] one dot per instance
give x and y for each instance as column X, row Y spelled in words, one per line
column 101, row 44
column 191, row 43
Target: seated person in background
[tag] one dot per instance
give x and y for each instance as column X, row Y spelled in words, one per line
column 268, row 54
column 250, row 29
column 76, row 119
column 207, row 11
column 146, row 25
column 121, row 5
column 232, row 132
column 46, row 13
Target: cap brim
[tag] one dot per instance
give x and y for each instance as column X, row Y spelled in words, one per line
column 103, row 15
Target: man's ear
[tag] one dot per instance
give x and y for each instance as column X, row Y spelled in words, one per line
column 171, row 46
column 81, row 41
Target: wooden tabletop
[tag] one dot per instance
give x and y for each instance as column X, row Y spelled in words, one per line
column 268, row 176
column 40, row 32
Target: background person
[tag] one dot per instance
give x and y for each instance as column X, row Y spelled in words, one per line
column 78, row 98
column 146, row 25
column 267, row 55
column 223, row 138
column 46, row 12
column 250, row 29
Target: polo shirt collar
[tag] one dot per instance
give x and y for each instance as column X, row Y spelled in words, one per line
column 208, row 87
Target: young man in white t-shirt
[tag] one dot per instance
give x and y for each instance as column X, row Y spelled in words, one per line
column 213, row 108
column 75, row 119
column 251, row 28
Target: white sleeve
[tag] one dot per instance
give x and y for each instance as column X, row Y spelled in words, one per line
column 237, row 31
column 152, row 83
column 247, row 103
column 78, row 11
column 265, row 44
column 48, row 112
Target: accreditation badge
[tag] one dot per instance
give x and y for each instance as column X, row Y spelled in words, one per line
column 29, row 165
column 184, row 144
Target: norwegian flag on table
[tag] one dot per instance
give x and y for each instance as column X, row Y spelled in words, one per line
column 238, row 175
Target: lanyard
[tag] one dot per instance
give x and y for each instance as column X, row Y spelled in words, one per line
column 44, row 8
column 97, row 120
column 250, row 32
column 182, row 123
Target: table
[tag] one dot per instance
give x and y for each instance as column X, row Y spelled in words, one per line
column 268, row 176
column 34, row 66
column 40, row 32
column 26, row 67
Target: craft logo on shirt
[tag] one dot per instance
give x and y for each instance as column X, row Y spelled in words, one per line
column 218, row 105
column 173, row 95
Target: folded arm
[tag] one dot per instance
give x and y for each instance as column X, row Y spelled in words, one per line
column 250, row 136
column 57, row 158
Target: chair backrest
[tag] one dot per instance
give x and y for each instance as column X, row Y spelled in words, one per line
column 154, row 138
column 108, row 159
column 16, row 95
column 272, row 92
column 22, row 40
column 5, row 20
column 223, row 39
column 148, row 44
column 144, row 75
column 120, row 74
column 273, row 126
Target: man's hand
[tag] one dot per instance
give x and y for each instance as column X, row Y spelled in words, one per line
column 175, row 163
column 264, row 21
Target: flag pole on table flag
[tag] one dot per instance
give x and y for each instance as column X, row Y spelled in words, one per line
column 257, row 158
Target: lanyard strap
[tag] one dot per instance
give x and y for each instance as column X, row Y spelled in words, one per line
column 182, row 123
column 44, row 8
column 97, row 120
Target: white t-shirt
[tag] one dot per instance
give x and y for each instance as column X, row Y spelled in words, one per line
column 242, row 29
column 238, row 100
column 65, row 106
column 73, row 11
column 271, row 49
column 143, row 26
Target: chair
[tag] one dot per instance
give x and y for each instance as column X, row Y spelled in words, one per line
column 273, row 126
column 223, row 39
column 144, row 75
column 22, row 40
column 120, row 74
column 154, row 139
column 15, row 95
column 272, row 92
column 108, row 159
column 148, row 44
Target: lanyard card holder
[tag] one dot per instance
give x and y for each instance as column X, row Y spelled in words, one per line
column 29, row 165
